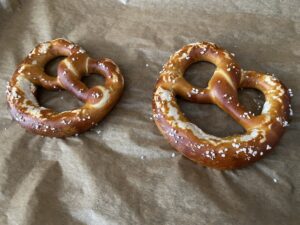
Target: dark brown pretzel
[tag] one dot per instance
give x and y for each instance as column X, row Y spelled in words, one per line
column 98, row 100
column 262, row 131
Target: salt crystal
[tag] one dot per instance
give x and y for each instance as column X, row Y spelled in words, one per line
column 290, row 92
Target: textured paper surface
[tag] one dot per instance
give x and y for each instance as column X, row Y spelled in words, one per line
column 122, row 171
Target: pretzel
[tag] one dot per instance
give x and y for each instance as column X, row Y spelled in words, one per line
column 262, row 132
column 98, row 100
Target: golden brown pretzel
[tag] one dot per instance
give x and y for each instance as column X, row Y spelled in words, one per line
column 98, row 100
column 262, row 131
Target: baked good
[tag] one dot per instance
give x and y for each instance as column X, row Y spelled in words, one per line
column 98, row 100
column 262, row 131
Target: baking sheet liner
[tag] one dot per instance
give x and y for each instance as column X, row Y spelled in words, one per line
column 123, row 171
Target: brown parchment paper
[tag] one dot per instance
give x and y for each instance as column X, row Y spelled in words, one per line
column 122, row 171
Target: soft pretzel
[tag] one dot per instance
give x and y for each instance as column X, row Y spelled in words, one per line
column 262, row 132
column 98, row 100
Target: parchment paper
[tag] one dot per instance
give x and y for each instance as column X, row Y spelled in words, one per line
column 122, row 171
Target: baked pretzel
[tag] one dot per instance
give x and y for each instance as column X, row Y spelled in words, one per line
column 262, row 132
column 98, row 100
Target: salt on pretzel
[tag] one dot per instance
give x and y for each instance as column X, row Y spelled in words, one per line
column 98, row 100
column 262, row 132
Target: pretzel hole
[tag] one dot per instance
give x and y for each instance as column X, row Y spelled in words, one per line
column 51, row 66
column 199, row 73
column 92, row 80
column 252, row 99
column 58, row 101
column 211, row 119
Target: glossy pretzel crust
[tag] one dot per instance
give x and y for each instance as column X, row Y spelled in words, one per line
column 98, row 100
column 262, row 132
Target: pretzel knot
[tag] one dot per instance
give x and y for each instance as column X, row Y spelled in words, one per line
column 98, row 100
column 262, row 131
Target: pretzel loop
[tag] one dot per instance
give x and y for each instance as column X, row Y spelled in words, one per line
column 262, row 131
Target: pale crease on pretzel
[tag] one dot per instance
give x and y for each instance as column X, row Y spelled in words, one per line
column 262, row 132
column 98, row 100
